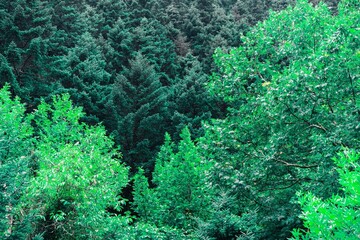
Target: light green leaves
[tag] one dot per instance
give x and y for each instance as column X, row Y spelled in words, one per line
column 180, row 194
column 337, row 217
column 293, row 92
column 79, row 173
column 15, row 155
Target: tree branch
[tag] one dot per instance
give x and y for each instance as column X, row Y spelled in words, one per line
column 296, row 165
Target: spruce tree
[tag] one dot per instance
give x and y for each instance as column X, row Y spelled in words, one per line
column 191, row 100
column 25, row 45
column 87, row 80
column 138, row 101
column 180, row 194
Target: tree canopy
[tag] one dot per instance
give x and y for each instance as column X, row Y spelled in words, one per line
column 162, row 119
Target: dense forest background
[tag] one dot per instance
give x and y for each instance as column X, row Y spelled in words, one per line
column 194, row 119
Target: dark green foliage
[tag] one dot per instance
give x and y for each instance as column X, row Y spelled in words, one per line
column 27, row 29
column 130, row 36
column 7, row 73
column 111, row 11
column 68, row 21
column 151, row 39
column 120, row 46
column 87, row 80
column 192, row 102
column 138, row 102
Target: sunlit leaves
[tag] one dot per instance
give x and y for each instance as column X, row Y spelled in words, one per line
column 15, row 155
column 293, row 91
column 337, row 217
column 180, row 194
column 79, row 174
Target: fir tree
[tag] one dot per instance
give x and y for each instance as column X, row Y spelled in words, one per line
column 180, row 194
column 27, row 25
column 138, row 99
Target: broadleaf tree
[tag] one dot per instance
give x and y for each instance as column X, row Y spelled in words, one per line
column 287, row 116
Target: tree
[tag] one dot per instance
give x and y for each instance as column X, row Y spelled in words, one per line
column 192, row 102
column 288, row 115
column 179, row 195
column 61, row 179
column 87, row 79
column 120, row 41
column 27, row 25
column 337, row 217
column 69, row 22
column 16, row 151
column 151, row 39
column 138, row 102
column 78, row 178
column 111, row 10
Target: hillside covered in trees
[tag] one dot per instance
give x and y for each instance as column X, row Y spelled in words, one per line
column 194, row 119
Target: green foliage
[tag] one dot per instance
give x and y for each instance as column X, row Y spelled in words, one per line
column 87, row 80
column 180, row 193
column 68, row 21
column 140, row 67
column 288, row 115
column 15, row 161
column 26, row 30
column 79, row 174
column 223, row 221
column 138, row 102
column 337, row 217
column 192, row 102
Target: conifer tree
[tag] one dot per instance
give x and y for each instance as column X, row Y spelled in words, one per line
column 192, row 102
column 68, row 21
column 27, row 25
column 151, row 39
column 179, row 195
column 120, row 46
column 138, row 101
column 111, row 11
column 87, row 80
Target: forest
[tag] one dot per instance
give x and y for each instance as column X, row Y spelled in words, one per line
column 193, row 119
